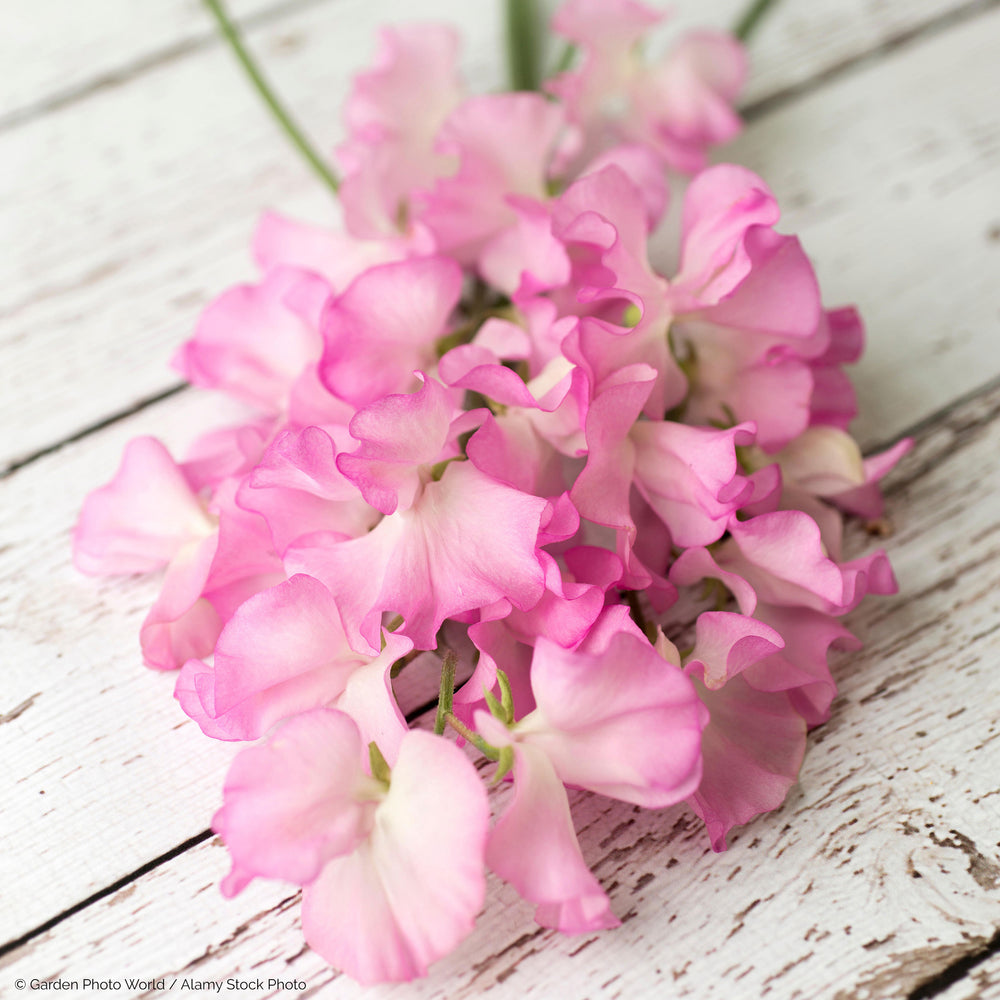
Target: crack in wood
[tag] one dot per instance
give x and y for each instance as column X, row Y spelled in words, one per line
column 19, row 710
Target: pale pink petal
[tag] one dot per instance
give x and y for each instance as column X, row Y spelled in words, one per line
column 394, row 113
column 410, row 893
column 398, row 435
column 752, row 750
column 534, row 847
column 601, row 491
column 385, row 326
column 690, row 476
column 525, row 258
column 205, row 585
column 142, row 518
column 866, row 500
column 298, row 489
column 726, row 644
column 504, row 143
column 297, row 801
column 684, row 104
column 281, row 242
column 641, row 165
column 721, row 205
column 182, row 623
column 255, row 340
column 226, row 452
column 779, row 295
column 801, row 669
column 624, row 722
column 823, row 461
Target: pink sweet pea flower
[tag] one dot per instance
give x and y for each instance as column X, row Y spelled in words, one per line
column 143, row 518
column 385, row 326
column 753, row 744
column 339, row 258
column 148, row 517
column 504, row 144
column 392, row 872
column 612, row 717
column 747, row 313
column 394, row 114
column 678, row 107
column 298, row 489
column 779, row 558
column 689, row 475
column 284, row 651
column 447, row 545
column 255, row 341
column 204, row 585
column 602, row 221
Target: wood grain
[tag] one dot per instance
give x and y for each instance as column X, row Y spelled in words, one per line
column 107, row 264
column 880, row 871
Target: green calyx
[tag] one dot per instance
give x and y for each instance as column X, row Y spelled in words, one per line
column 377, row 763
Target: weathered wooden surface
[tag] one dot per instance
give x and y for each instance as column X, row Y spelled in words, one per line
column 132, row 165
column 880, row 871
column 153, row 188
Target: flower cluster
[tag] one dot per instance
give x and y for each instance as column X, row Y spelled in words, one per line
column 489, row 439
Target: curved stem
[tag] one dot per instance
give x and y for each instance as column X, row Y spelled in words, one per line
column 486, row 749
column 295, row 135
column 750, row 18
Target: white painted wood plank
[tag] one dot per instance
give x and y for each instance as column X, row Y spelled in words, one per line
column 153, row 188
column 52, row 50
column 881, row 870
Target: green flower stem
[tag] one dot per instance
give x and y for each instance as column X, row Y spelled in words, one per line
column 750, row 18
column 523, row 44
column 474, row 738
column 285, row 120
column 447, row 692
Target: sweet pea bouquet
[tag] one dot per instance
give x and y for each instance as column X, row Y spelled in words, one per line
column 491, row 444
